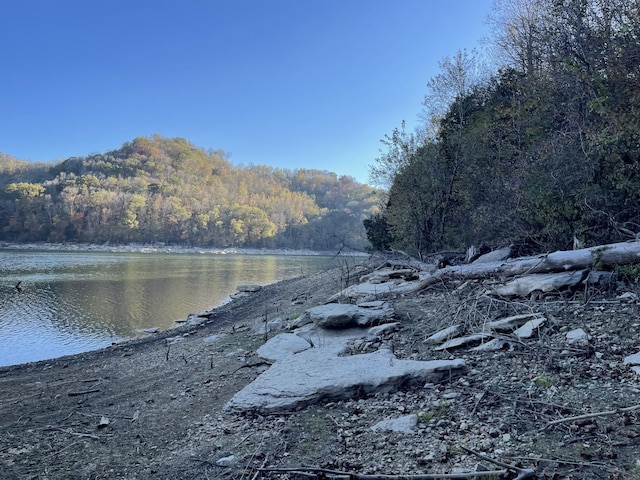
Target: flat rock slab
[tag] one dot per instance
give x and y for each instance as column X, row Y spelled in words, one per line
column 341, row 315
column 510, row 323
column 445, row 334
column 464, row 341
column 528, row 329
column 282, row 346
column 367, row 291
column 311, row 376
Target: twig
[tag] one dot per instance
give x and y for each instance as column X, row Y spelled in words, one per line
column 245, row 439
column 66, row 382
column 561, row 461
column 253, row 455
column 59, row 451
column 484, row 392
column 255, row 476
column 522, row 472
column 591, row 415
column 84, row 392
column 76, row 434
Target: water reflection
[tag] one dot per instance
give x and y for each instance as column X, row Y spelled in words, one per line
column 74, row 302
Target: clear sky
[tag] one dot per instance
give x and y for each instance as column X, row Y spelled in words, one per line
column 285, row 83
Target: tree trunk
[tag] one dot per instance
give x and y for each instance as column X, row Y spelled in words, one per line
column 593, row 258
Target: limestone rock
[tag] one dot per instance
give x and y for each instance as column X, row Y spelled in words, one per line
column 367, row 291
column 633, row 359
column 339, row 315
column 275, row 325
column 527, row 330
column 281, row 346
column 464, row 341
column 492, row 345
column 445, row 334
column 509, row 323
column 316, row 374
column 578, row 337
column 226, row 461
column 405, row 424
column 375, row 332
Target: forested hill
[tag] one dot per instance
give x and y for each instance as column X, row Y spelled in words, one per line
column 544, row 153
column 157, row 189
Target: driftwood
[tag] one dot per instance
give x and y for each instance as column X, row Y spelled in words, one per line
column 542, row 282
column 561, row 261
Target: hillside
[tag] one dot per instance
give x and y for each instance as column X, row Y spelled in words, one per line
column 156, row 189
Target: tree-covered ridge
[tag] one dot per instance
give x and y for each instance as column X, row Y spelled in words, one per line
column 545, row 151
column 156, row 189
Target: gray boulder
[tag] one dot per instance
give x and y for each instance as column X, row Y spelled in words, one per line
column 340, row 315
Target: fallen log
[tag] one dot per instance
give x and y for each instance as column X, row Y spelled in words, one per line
column 593, row 258
column 623, row 253
column 541, row 282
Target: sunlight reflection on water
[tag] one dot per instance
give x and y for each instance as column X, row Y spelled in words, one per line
column 72, row 302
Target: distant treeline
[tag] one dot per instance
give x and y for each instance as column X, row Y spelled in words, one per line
column 544, row 152
column 166, row 190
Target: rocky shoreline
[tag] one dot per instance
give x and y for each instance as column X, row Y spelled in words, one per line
column 163, row 407
column 158, row 248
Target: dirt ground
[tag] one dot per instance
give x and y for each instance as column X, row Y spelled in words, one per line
column 153, row 408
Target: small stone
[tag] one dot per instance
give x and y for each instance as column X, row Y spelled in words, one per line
column 226, row 461
column 104, row 421
column 628, row 296
column 211, row 338
column 633, row 359
column 405, row 424
column 249, row 288
column 578, row 337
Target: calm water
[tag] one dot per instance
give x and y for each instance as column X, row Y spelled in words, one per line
column 72, row 302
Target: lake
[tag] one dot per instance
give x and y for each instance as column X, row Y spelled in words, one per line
column 72, row 302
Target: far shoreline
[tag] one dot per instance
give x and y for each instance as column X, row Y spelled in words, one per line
column 160, row 248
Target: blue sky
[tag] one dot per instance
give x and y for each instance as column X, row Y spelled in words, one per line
column 285, row 83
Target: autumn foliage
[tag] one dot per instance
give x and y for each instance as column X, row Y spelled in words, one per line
column 157, row 189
